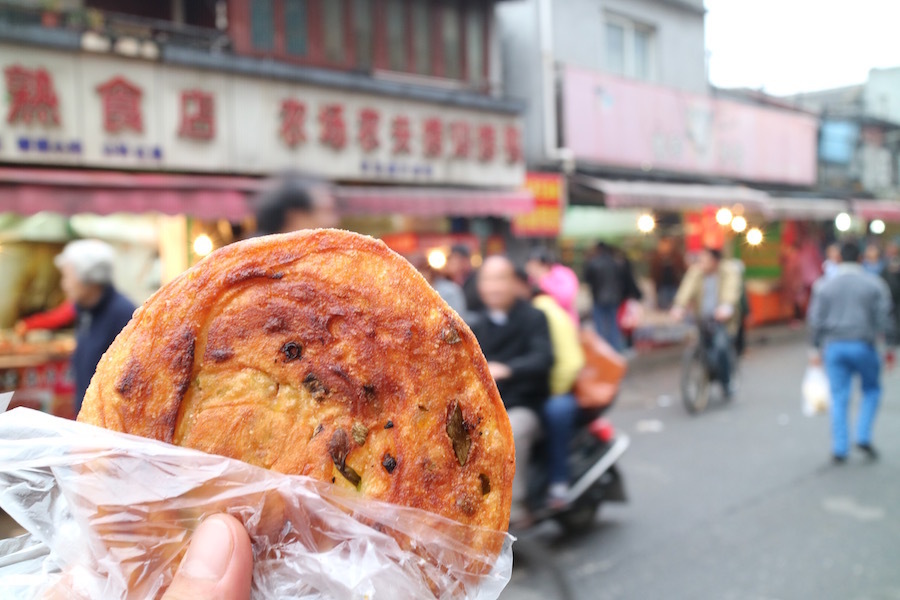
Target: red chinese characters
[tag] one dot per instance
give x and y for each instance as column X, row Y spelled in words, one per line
column 333, row 128
column 198, row 115
column 513, row 143
column 293, row 122
column 368, row 129
column 487, row 143
column 460, row 139
column 401, row 134
column 433, row 137
column 31, row 96
column 121, row 106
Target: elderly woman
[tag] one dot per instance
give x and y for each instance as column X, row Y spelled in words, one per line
column 87, row 269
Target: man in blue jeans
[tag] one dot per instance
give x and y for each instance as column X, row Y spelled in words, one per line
column 849, row 314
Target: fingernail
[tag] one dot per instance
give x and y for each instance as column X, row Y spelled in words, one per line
column 210, row 551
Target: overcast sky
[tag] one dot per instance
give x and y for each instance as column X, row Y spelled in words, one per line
column 788, row 46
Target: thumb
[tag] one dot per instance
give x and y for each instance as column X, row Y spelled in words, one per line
column 218, row 564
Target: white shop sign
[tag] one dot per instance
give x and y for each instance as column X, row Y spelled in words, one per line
column 101, row 111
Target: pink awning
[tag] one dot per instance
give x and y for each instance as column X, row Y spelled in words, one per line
column 430, row 202
column 886, row 210
column 29, row 191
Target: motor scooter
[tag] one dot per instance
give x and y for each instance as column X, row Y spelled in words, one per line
column 594, row 477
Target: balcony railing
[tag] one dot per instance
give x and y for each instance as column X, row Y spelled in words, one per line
column 116, row 26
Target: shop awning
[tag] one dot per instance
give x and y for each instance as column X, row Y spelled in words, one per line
column 674, row 196
column 69, row 192
column 433, row 202
column 886, row 210
column 821, row 209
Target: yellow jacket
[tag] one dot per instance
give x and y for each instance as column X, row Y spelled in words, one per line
column 690, row 292
column 568, row 357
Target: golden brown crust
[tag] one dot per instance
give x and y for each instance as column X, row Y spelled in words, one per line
column 319, row 353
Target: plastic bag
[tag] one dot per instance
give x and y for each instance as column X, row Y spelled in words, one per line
column 109, row 515
column 816, row 391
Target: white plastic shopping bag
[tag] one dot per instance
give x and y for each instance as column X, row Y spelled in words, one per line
column 816, row 391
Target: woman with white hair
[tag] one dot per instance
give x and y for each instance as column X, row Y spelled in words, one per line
column 87, row 270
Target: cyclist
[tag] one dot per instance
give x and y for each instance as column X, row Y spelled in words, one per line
column 711, row 289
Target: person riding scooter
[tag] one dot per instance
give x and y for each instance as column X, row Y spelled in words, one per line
column 515, row 339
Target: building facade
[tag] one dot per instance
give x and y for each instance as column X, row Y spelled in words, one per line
column 181, row 107
column 619, row 103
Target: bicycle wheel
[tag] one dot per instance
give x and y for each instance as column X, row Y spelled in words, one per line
column 694, row 381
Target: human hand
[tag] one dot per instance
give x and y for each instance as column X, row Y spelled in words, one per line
column 677, row 313
column 815, row 359
column 499, row 371
column 723, row 313
column 20, row 328
column 218, row 564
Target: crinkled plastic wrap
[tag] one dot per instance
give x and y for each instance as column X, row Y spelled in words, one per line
column 109, row 516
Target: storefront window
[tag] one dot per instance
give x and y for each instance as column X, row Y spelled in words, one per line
column 295, row 27
column 451, row 37
column 615, row 48
column 262, row 24
column 421, row 24
column 475, row 45
column 362, row 23
column 333, row 26
column 396, row 35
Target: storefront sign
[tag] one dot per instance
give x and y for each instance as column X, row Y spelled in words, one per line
column 546, row 218
column 103, row 111
column 626, row 123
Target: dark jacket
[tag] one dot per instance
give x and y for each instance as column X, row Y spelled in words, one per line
column 97, row 327
column 522, row 344
column 603, row 274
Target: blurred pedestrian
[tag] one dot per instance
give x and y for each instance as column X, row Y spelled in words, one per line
column 554, row 279
column 448, row 290
column 872, row 261
column 293, row 202
column 667, row 268
column 711, row 288
column 561, row 409
column 459, row 270
column 87, row 275
column 603, row 274
column 850, row 313
column 891, row 276
column 832, row 260
column 515, row 339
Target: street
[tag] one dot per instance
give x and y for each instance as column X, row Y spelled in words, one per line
column 739, row 503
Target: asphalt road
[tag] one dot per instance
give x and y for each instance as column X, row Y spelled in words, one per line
column 739, row 503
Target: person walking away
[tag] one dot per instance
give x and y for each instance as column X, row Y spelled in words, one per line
column 667, row 268
column 556, row 280
column 294, row 202
column 603, row 275
column 849, row 314
column 448, row 290
column 832, row 260
column 459, row 270
column 711, row 289
column 515, row 339
column 102, row 312
column 872, row 261
column 561, row 410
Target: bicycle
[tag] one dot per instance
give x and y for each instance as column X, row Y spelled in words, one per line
column 699, row 370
